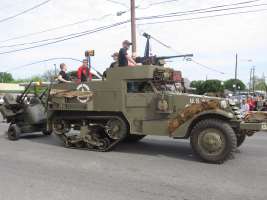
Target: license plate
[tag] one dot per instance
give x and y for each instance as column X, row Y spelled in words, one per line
column 264, row 127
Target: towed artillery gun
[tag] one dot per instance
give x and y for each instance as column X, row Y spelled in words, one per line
column 133, row 102
column 25, row 116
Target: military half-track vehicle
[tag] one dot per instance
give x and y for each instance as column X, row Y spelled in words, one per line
column 133, row 102
column 25, row 114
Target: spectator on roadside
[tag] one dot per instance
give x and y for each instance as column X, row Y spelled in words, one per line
column 259, row 103
column 244, row 107
column 251, row 104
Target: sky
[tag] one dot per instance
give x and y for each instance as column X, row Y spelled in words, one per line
column 213, row 41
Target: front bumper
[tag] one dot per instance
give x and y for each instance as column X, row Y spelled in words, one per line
column 250, row 126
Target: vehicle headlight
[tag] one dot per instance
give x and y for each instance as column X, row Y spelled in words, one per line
column 163, row 105
column 223, row 104
column 232, row 102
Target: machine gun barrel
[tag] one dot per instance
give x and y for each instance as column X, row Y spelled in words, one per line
column 21, row 97
column 154, row 60
column 170, row 57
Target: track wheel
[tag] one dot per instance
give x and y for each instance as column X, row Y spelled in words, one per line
column 103, row 144
column 213, row 140
column 117, row 128
column 13, row 132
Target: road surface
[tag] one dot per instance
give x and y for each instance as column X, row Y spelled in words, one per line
column 38, row 167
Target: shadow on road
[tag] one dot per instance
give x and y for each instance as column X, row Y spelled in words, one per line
column 154, row 147
column 43, row 139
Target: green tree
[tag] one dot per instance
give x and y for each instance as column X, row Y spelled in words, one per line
column 229, row 84
column 197, row 85
column 211, row 86
column 6, row 77
column 261, row 85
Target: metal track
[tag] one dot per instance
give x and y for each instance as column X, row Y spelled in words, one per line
column 71, row 143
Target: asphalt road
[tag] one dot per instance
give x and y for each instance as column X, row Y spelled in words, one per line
column 38, row 167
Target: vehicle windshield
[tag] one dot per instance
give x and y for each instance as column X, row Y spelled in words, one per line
column 168, row 87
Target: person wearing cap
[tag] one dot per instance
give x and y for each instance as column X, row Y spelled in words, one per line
column 63, row 76
column 83, row 72
column 114, row 64
column 124, row 59
column 115, row 57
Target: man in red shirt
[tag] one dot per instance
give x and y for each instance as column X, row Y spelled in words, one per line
column 84, row 72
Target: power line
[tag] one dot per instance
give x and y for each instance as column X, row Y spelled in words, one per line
column 118, row 3
column 69, row 38
column 190, row 59
column 82, row 21
column 24, row 11
column 117, row 24
column 100, row 18
column 203, row 17
column 177, row 14
column 207, row 67
column 41, row 61
column 51, row 59
column 75, row 35
column 44, row 40
column 142, row 18
column 55, row 28
column 155, row 4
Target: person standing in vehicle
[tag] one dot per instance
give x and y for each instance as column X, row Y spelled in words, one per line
column 124, row 59
column 84, row 72
column 63, row 76
column 115, row 63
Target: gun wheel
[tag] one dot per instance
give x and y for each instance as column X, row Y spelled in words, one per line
column 13, row 132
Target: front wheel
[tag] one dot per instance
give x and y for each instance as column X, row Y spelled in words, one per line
column 240, row 138
column 213, row 140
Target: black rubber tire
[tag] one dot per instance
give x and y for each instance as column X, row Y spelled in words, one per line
column 240, row 138
column 228, row 134
column 131, row 138
column 13, row 132
column 47, row 132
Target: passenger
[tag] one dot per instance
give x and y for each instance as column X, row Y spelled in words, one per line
column 124, row 59
column 63, row 76
column 114, row 64
column 83, row 72
column 115, row 57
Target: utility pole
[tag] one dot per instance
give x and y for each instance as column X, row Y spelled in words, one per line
column 253, row 79
column 55, row 68
column 250, row 81
column 133, row 27
column 236, row 64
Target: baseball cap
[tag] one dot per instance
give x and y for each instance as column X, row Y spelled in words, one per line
column 127, row 42
column 116, row 54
